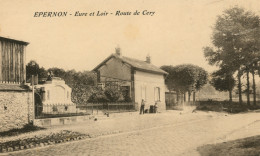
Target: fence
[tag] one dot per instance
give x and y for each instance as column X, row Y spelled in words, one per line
column 63, row 110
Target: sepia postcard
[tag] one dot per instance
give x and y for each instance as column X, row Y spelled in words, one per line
column 140, row 77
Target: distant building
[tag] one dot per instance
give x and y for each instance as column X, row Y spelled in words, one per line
column 140, row 79
column 16, row 106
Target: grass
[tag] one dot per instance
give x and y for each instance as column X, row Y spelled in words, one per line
column 27, row 128
column 241, row 147
column 230, row 107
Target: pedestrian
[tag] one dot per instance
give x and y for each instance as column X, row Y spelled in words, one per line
column 155, row 107
column 142, row 106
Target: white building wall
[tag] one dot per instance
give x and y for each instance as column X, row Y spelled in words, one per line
column 145, row 84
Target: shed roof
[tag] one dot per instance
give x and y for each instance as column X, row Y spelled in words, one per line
column 13, row 40
column 135, row 63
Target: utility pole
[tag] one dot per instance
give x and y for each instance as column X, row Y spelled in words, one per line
column 33, row 101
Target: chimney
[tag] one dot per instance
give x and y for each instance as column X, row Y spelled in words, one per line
column 148, row 59
column 118, row 51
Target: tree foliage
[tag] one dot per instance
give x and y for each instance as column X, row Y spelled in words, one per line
column 222, row 82
column 33, row 68
column 82, row 83
column 235, row 38
column 97, row 95
column 112, row 94
column 109, row 94
column 186, row 77
column 236, row 41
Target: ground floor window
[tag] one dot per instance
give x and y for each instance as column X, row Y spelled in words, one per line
column 157, row 94
column 143, row 92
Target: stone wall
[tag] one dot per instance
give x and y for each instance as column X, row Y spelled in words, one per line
column 16, row 109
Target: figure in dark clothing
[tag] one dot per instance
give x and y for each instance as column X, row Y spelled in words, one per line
column 155, row 107
column 142, row 106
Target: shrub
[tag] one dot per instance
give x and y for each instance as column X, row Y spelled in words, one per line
column 112, row 94
column 109, row 94
column 231, row 107
column 97, row 95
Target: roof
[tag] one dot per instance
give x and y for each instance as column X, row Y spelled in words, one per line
column 137, row 64
column 13, row 87
column 13, row 40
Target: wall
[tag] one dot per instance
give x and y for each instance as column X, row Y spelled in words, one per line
column 16, row 109
column 115, row 69
column 149, row 81
column 12, row 61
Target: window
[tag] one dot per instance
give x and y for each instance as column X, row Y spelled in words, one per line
column 143, row 92
column 157, row 94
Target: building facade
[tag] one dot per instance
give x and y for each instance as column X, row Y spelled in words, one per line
column 16, row 106
column 140, row 79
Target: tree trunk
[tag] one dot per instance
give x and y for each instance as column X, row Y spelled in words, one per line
column 239, row 87
column 184, row 96
column 177, row 93
column 248, row 87
column 194, row 98
column 230, row 87
column 230, row 95
column 254, row 88
column 189, row 94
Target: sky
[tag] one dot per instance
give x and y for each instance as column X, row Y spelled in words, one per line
column 175, row 34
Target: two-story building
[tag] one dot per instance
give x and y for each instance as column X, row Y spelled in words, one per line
column 141, row 79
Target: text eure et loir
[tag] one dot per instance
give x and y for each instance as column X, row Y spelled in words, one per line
column 98, row 13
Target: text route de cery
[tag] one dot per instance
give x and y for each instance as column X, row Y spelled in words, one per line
column 94, row 13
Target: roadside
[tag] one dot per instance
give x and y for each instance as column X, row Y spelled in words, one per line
column 210, row 126
column 244, row 141
column 116, row 123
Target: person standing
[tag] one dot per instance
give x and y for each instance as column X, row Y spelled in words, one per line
column 142, row 106
column 155, row 107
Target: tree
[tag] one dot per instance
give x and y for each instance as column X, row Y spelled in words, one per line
column 82, row 84
column 33, row 68
column 223, row 81
column 201, row 80
column 57, row 72
column 253, row 69
column 236, row 42
column 185, row 78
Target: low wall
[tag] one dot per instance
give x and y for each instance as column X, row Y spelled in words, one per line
column 59, row 108
column 61, row 120
column 16, row 109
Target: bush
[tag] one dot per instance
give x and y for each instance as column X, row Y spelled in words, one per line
column 97, row 95
column 112, row 94
column 231, row 107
